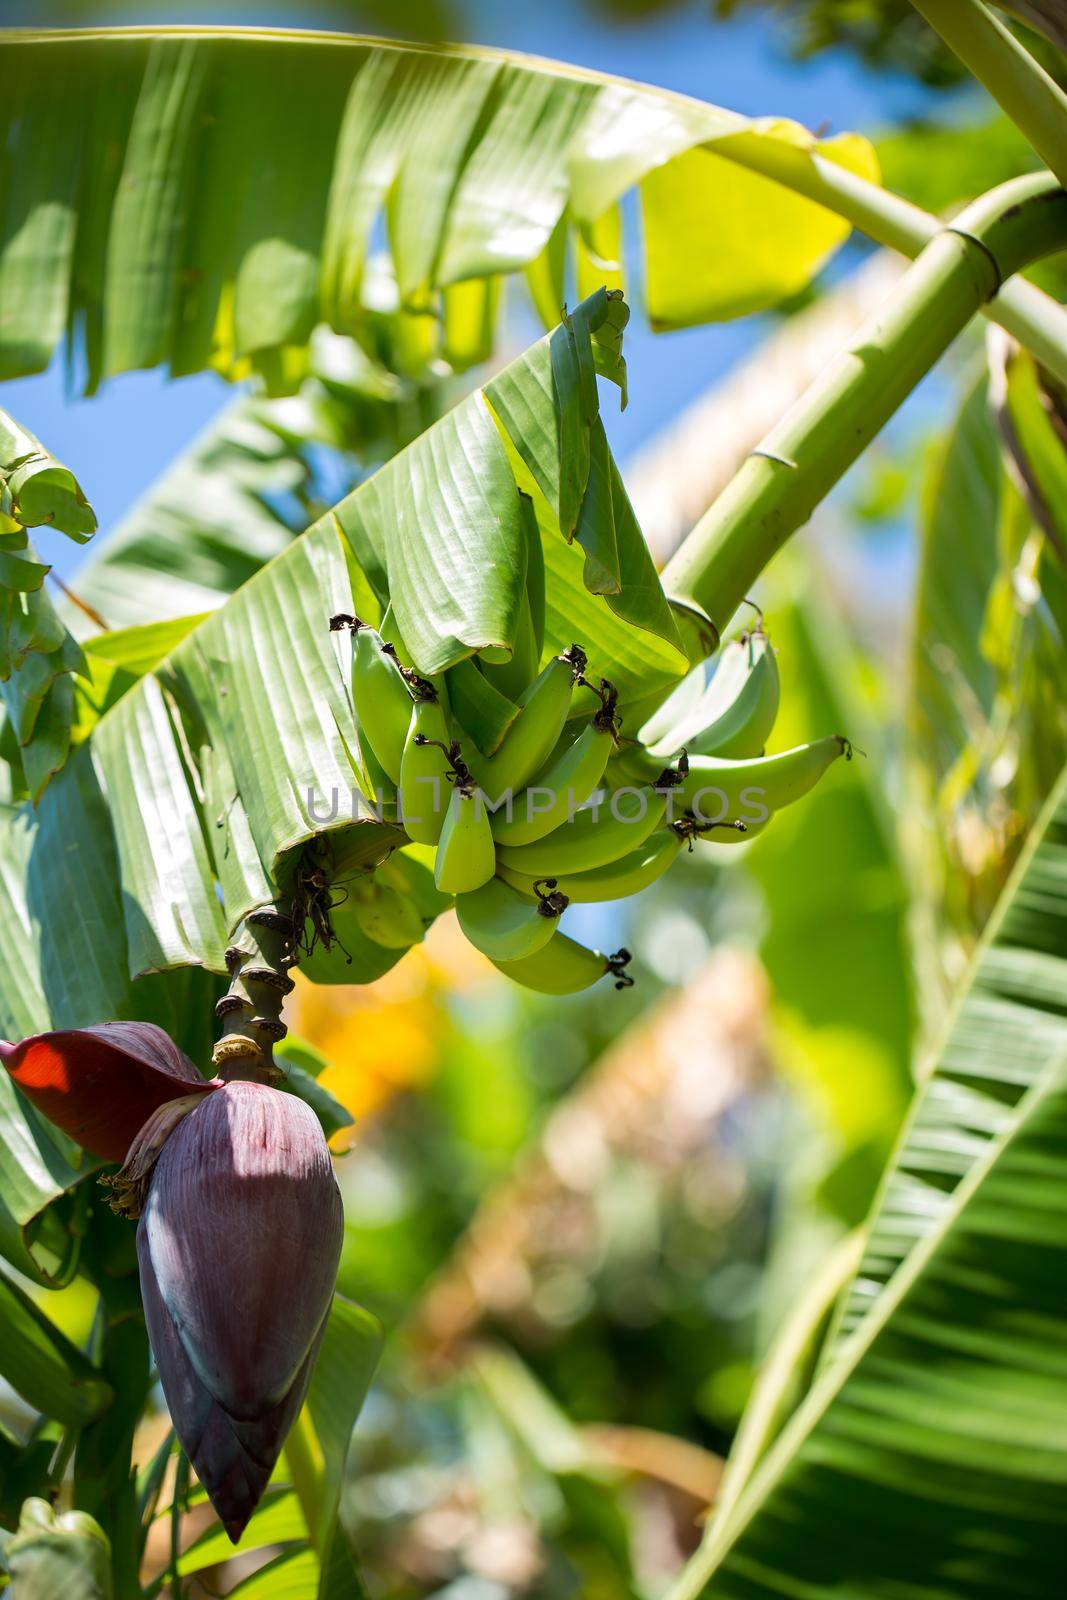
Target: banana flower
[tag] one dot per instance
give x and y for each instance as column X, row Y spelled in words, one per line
column 238, row 1240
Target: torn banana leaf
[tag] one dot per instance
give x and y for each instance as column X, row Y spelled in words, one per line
column 189, row 225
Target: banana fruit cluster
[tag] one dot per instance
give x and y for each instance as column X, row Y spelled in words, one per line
column 565, row 809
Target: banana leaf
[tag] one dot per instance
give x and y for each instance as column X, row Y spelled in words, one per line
column 37, row 653
column 51, row 1374
column 204, row 759
column 191, row 224
column 987, row 727
column 834, row 944
column 250, row 483
column 316, row 1453
column 928, row 1458
column 37, row 489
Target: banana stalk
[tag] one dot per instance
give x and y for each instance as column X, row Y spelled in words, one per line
column 776, row 490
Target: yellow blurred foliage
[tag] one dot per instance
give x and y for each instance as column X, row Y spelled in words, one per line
column 385, row 1037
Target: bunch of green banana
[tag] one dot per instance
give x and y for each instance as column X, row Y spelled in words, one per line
column 544, row 803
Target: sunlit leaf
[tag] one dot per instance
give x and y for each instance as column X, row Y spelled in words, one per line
column 277, row 1520
column 707, row 256
column 35, row 488
column 222, row 234
column 1009, row 1021
column 941, row 1407
column 939, row 1427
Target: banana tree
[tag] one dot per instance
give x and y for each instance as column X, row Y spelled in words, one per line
column 411, row 706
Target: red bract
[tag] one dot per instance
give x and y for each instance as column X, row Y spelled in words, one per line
column 238, row 1246
column 100, row 1085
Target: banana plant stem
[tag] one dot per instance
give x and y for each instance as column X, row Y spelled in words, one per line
column 250, row 1011
column 1032, row 99
column 1024, row 311
column 778, row 487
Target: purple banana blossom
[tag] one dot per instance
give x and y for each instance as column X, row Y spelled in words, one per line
column 238, row 1242
column 238, row 1246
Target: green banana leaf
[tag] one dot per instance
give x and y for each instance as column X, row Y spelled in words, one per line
column 292, row 1576
column 190, row 793
column 37, row 489
column 439, row 530
column 987, row 723
column 277, row 1520
column 51, row 1374
column 347, row 1361
column 37, row 1165
column 835, row 943
column 1009, row 1021
column 60, row 910
column 190, row 224
column 1032, row 422
column 37, row 653
column 331, row 1113
column 928, row 1458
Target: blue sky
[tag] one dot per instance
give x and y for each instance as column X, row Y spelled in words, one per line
column 120, row 441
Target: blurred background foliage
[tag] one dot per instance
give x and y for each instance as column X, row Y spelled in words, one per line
column 582, row 1221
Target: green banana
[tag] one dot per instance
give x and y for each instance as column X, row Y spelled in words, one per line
column 380, row 693
column 424, row 770
column 728, row 833
column 563, row 966
column 385, row 916
column 628, row 875
column 732, row 715
column 506, row 926
column 466, row 857
column 735, row 722
column 564, row 785
column 375, row 783
column 615, row 827
column 532, row 737
column 658, row 728
column 715, row 790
